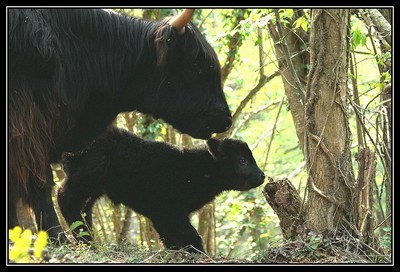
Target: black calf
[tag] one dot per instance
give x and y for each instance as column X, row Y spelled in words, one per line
column 156, row 179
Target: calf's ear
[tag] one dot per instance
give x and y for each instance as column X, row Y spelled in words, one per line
column 214, row 148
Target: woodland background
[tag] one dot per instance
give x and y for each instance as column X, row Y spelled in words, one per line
column 310, row 92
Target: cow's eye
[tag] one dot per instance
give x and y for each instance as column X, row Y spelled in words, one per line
column 196, row 68
column 242, row 161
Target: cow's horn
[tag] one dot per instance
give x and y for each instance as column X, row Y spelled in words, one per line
column 180, row 21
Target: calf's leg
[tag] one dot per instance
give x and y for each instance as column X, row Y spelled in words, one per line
column 177, row 232
column 75, row 198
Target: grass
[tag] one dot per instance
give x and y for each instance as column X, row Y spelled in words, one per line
column 310, row 248
column 319, row 249
column 128, row 254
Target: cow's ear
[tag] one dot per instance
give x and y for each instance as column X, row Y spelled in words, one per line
column 214, row 148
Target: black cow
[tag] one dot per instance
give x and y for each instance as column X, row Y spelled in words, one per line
column 156, row 179
column 71, row 71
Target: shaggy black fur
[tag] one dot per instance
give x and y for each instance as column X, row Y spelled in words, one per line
column 156, row 179
column 71, row 71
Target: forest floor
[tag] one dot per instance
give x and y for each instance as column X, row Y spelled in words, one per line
column 313, row 249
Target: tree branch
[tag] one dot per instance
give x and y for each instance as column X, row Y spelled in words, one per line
column 382, row 25
column 358, row 113
column 273, row 134
column 263, row 80
column 204, row 19
column 353, row 70
column 247, row 118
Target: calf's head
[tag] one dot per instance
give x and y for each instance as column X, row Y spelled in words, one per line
column 236, row 164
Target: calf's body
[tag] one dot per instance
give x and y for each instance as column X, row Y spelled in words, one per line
column 156, row 179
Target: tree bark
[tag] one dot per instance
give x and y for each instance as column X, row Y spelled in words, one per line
column 284, row 199
column 365, row 183
column 148, row 235
column 295, row 41
column 328, row 159
column 382, row 25
column 206, row 228
column 387, row 141
column 123, row 235
column 387, row 13
column 117, row 220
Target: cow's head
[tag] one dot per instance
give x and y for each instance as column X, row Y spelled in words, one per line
column 189, row 92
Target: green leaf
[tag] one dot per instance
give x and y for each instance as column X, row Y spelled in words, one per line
column 76, row 224
column 363, row 39
column 301, row 22
column 387, row 229
column 314, row 242
column 286, row 13
column 83, row 233
column 356, row 37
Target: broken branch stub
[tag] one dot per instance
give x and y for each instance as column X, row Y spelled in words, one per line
column 284, row 199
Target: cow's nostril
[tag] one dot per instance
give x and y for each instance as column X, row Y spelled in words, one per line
column 263, row 176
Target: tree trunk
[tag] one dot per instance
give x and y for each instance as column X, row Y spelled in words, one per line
column 295, row 41
column 365, row 183
column 206, row 228
column 117, row 220
column 328, row 159
column 387, row 13
column 126, row 222
column 149, row 237
column 387, row 141
column 383, row 26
